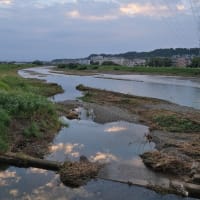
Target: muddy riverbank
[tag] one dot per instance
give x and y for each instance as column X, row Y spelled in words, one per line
column 173, row 128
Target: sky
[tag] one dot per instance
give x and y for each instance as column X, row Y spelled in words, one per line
column 50, row 29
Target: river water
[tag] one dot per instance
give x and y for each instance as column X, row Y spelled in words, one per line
column 183, row 91
column 118, row 144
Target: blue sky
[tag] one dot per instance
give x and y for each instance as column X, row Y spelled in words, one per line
column 48, row 29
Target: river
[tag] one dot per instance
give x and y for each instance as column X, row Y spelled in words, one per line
column 117, row 143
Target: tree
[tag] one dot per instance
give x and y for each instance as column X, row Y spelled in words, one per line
column 195, row 62
column 37, row 62
column 160, row 62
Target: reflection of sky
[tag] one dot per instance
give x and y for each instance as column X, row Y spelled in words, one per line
column 68, row 149
column 103, row 157
column 115, row 129
column 95, row 141
column 6, row 177
column 183, row 91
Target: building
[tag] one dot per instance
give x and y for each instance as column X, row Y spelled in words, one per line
column 118, row 60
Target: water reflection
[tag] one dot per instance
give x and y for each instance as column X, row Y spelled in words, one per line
column 14, row 192
column 115, row 129
column 103, row 157
column 7, row 177
column 68, row 149
column 32, row 170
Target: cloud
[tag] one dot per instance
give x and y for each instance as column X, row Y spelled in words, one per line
column 142, row 9
column 75, row 14
column 47, row 29
column 5, row 3
column 150, row 9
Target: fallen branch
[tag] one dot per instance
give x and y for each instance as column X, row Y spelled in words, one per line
column 22, row 160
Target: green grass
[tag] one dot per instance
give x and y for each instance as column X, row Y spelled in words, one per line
column 23, row 104
column 141, row 69
column 175, row 123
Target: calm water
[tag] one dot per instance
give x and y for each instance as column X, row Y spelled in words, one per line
column 118, row 143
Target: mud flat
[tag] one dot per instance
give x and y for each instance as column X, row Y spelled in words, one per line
column 174, row 129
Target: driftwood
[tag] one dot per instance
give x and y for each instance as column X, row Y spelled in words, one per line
column 21, row 160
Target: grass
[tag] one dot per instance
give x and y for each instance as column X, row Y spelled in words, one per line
column 24, row 109
column 139, row 69
column 175, row 123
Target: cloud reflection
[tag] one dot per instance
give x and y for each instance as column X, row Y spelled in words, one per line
column 14, row 192
column 54, row 189
column 6, row 177
column 68, row 149
column 115, row 129
column 37, row 171
column 103, row 157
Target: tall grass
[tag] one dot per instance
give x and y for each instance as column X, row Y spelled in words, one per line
column 24, row 102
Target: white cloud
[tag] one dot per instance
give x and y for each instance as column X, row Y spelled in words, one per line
column 181, row 7
column 152, row 10
column 75, row 14
column 5, row 3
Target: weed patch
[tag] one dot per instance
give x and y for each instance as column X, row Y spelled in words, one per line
column 24, row 103
column 175, row 123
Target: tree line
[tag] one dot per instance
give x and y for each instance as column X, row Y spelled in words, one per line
column 167, row 62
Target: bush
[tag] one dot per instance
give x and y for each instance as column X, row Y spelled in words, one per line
column 195, row 62
column 110, row 63
column 37, row 62
column 69, row 66
column 24, row 104
column 82, row 68
column 160, row 62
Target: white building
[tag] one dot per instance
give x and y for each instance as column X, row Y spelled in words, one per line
column 118, row 60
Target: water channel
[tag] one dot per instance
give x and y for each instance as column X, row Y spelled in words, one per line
column 118, row 143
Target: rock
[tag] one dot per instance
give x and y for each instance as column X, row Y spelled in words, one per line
column 73, row 115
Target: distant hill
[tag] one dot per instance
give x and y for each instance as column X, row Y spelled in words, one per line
column 155, row 53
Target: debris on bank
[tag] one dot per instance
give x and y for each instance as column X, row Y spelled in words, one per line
column 163, row 162
column 72, row 174
column 75, row 174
